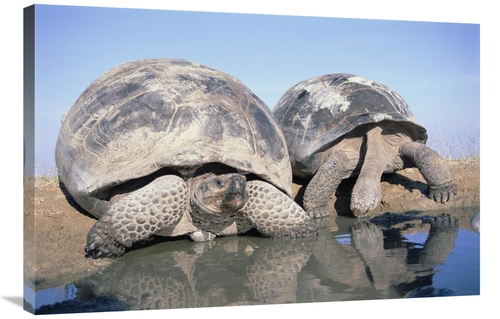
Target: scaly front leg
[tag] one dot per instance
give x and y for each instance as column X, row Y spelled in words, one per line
column 324, row 183
column 274, row 214
column 367, row 192
column 137, row 216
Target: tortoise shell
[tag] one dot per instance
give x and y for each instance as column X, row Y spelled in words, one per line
column 146, row 115
column 316, row 113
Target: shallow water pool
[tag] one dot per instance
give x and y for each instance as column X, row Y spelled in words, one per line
column 391, row 256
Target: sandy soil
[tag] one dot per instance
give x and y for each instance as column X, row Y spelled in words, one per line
column 55, row 229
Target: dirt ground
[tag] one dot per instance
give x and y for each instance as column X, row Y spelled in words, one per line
column 55, row 230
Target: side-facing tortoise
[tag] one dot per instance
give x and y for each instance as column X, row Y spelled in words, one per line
column 171, row 147
column 342, row 125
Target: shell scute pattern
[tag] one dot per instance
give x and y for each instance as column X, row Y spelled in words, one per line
column 137, row 109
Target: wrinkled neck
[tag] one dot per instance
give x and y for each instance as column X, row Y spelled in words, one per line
column 376, row 155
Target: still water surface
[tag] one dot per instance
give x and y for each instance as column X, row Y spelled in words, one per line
column 391, row 256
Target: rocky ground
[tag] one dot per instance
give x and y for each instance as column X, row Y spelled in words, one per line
column 55, row 229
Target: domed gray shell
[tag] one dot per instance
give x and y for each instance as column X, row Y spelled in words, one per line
column 315, row 113
column 145, row 115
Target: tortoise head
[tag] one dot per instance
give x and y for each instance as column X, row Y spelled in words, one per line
column 219, row 194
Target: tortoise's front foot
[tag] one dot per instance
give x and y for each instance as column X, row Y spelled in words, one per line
column 442, row 194
column 317, row 211
column 100, row 244
column 324, row 183
column 366, row 196
column 137, row 216
column 274, row 214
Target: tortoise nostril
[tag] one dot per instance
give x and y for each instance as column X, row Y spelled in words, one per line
column 239, row 181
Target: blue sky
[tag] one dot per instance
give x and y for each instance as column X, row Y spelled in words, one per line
column 434, row 66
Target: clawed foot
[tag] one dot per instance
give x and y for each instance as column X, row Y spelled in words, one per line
column 319, row 211
column 442, row 194
column 101, row 245
column 274, row 214
column 365, row 197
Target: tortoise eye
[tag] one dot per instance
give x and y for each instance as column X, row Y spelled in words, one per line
column 219, row 182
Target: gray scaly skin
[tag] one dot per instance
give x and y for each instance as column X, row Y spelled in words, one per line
column 276, row 215
column 437, row 173
column 324, row 183
column 367, row 192
column 218, row 204
column 137, row 216
column 382, row 151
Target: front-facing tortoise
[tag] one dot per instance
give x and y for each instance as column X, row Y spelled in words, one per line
column 171, row 147
column 342, row 125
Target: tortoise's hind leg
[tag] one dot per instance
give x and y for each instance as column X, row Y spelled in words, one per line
column 136, row 216
column 435, row 170
column 274, row 214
